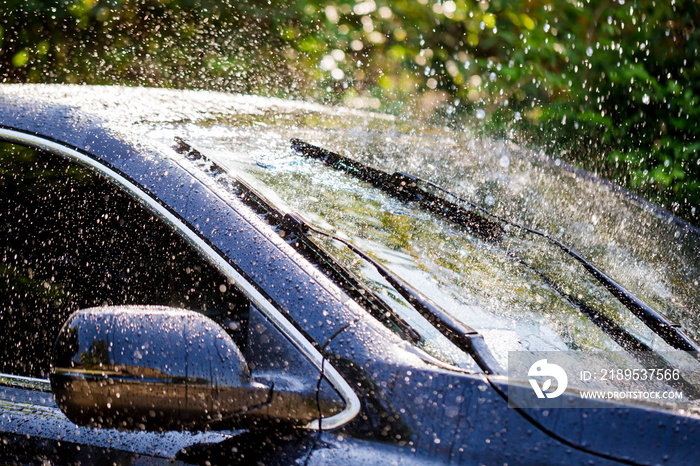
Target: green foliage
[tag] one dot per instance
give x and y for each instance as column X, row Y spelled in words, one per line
column 612, row 84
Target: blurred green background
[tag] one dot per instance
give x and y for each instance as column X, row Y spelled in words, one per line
column 612, row 86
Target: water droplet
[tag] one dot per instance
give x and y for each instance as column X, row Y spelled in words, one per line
column 645, row 99
column 338, row 55
column 480, row 114
column 328, row 63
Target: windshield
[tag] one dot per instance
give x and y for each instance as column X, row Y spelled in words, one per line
column 496, row 288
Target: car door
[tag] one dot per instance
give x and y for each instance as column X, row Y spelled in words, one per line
column 73, row 238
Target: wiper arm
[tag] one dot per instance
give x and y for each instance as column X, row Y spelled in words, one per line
column 408, row 188
column 464, row 337
column 405, row 187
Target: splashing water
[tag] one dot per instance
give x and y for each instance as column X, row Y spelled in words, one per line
column 642, row 248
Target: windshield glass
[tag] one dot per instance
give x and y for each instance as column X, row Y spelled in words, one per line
column 495, row 288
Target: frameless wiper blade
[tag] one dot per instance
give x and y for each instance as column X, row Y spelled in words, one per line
column 352, row 285
column 406, row 188
column 411, row 188
column 464, row 337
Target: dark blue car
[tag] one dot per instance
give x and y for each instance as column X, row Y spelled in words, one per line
column 214, row 279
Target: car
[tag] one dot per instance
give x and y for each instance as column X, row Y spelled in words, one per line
column 207, row 278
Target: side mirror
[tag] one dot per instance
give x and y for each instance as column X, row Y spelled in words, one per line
column 159, row 368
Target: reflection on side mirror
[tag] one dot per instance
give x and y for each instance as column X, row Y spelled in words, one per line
column 159, row 368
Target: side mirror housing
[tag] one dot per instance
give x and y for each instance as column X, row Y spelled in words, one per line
column 159, row 368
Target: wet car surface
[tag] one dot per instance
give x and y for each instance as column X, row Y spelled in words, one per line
column 143, row 197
